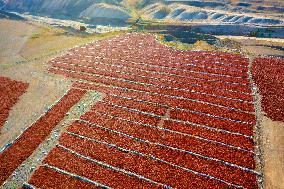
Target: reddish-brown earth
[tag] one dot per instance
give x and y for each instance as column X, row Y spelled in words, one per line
column 170, row 118
column 30, row 139
column 269, row 77
column 10, row 91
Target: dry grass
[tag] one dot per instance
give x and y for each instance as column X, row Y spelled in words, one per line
column 199, row 45
column 204, row 46
column 176, row 44
column 47, row 41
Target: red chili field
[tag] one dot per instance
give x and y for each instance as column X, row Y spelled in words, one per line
column 33, row 136
column 167, row 119
column 10, row 91
column 268, row 74
column 174, row 119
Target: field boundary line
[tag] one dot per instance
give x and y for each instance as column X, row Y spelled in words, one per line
column 258, row 131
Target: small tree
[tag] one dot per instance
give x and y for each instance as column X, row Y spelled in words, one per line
column 83, row 28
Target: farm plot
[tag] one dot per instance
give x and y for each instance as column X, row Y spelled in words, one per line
column 268, row 74
column 33, row 136
column 10, row 91
column 175, row 119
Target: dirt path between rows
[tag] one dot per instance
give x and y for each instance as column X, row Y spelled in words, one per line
column 273, row 141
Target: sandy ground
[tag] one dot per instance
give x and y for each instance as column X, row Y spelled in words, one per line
column 258, row 46
column 13, row 36
column 273, row 141
column 44, row 89
column 261, row 50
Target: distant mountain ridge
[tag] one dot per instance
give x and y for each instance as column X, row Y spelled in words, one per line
column 215, row 11
column 182, row 12
column 73, row 9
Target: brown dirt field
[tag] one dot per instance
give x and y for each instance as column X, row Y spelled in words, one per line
column 257, row 46
column 273, row 143
column 260, row 50
column 12, row 39
column 43, row 88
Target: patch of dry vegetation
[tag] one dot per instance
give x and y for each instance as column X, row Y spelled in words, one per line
column 227, row 45
column 165, row 9
column 176, row 44
column 47, row 41
column 203, row 46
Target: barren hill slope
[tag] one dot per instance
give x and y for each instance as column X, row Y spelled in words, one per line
column 74, row 9
column 214, row 12
column 262, row 12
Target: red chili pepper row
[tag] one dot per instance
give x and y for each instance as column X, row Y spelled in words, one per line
column 235, row 140
column 24, row 146
column 173, row 156
column 229, row 125
column 114, row 72
column 176, row 140
column 173, row 102
column 62, row 159
column 45, row 177
column 268, row 75
column 10, row 91
column 169, row 70
column 151, row 108
column 129, row 67
column 121, row 112
column 185, row 94
column 161, row 61
column 243, row 128
column 232, row 139
column 203, row 64
column 149, row 168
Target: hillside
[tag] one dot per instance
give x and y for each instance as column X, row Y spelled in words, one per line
column 232, row 5
column 71, row 9
column 213, row 12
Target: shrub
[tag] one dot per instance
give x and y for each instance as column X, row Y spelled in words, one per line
column 83, row 28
